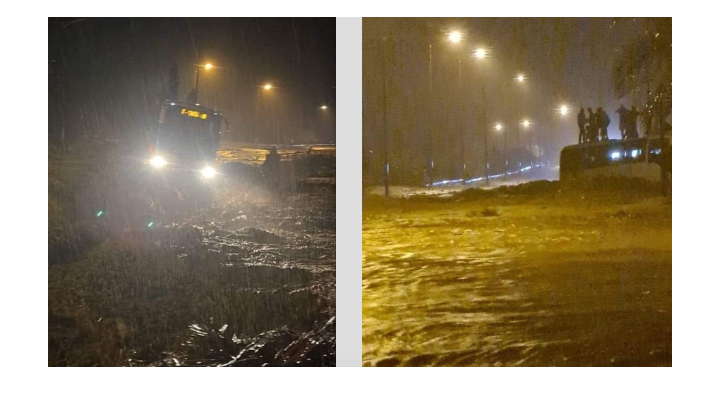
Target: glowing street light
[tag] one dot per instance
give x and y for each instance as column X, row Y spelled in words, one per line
column 324, row 107
column 520, row 78
column 498, row 127
column 267, row 86
column 455, row 36
column 480, row 53
column 193, row 95
column 526, row 123
column 563, row 110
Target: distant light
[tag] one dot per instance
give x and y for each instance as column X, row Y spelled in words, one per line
column 498, row 127
column 198, row 105
column 564, row 110
column 520, row 78
column 634, row 153
column 480, row 53
column 158, row 161
column 267, row 86
column 455, row 36
column 615, row 155
column 173, row 103
column 208, row 172
column 150, row 224
column 208, row 66
column 100, row 213
column 323, row 107
column 526, row 123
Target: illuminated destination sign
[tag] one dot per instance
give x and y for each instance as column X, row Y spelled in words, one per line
column 194, row 113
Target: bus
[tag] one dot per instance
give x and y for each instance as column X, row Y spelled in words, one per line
column 634, row 158
column 186, row 139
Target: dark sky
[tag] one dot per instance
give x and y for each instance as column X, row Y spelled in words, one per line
column 106, row 75
column 565, row 60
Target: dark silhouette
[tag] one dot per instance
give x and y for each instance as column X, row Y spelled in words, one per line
column 623, row 121
column 593, row 126
column 582, row 123
column 604, row 121
column 632, row 120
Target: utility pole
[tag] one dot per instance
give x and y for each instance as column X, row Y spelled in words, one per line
column 430, row 116
column 386, row 128
column 485, row 128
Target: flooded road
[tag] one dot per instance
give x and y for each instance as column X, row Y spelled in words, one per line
column 246, row 281
column 510, row 281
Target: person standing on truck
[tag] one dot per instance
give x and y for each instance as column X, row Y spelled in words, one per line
column 623, row 121
column 632, row 121
column 603, row 123
column 593, row 126
column 582, row 123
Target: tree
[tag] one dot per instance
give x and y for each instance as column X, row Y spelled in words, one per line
column 643, row 66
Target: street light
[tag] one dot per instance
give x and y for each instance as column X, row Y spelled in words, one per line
column 455, row 36
column 193, row 95
column 526, row 124
column 520, row 78
column 563, row 110
column 481, row 53
column 324, row 107
column 499, row 127
column 267, row 86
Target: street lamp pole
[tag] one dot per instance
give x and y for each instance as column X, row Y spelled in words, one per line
column 430, row 116
column 386, row 129
column 194, row 94
column 485, row 128
column 481, row 54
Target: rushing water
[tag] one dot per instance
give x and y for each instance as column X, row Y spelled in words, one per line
column 431, row 301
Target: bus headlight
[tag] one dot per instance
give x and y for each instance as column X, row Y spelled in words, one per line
column 208, row 172
column 157, row 161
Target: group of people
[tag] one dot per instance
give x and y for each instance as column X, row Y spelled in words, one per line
column 627, row 122
column 594, row 126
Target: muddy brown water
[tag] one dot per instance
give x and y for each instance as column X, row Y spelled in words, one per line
column 500, row 306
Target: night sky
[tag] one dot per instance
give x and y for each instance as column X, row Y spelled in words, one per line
column 107, row 75
column 566, row 61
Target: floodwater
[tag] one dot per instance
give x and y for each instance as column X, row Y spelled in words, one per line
column 247, row 281
column 532, row 284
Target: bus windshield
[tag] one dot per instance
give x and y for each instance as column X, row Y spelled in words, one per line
column 189, row 130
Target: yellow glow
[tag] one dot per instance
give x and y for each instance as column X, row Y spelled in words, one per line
column 455, row 36
column 158, row 161
column 323, row 107
column 564, row 110
column 520, row 78
column 480, row 53
column 267, row 86
column 526, row 123
column 208, row 66
column 498, row 127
